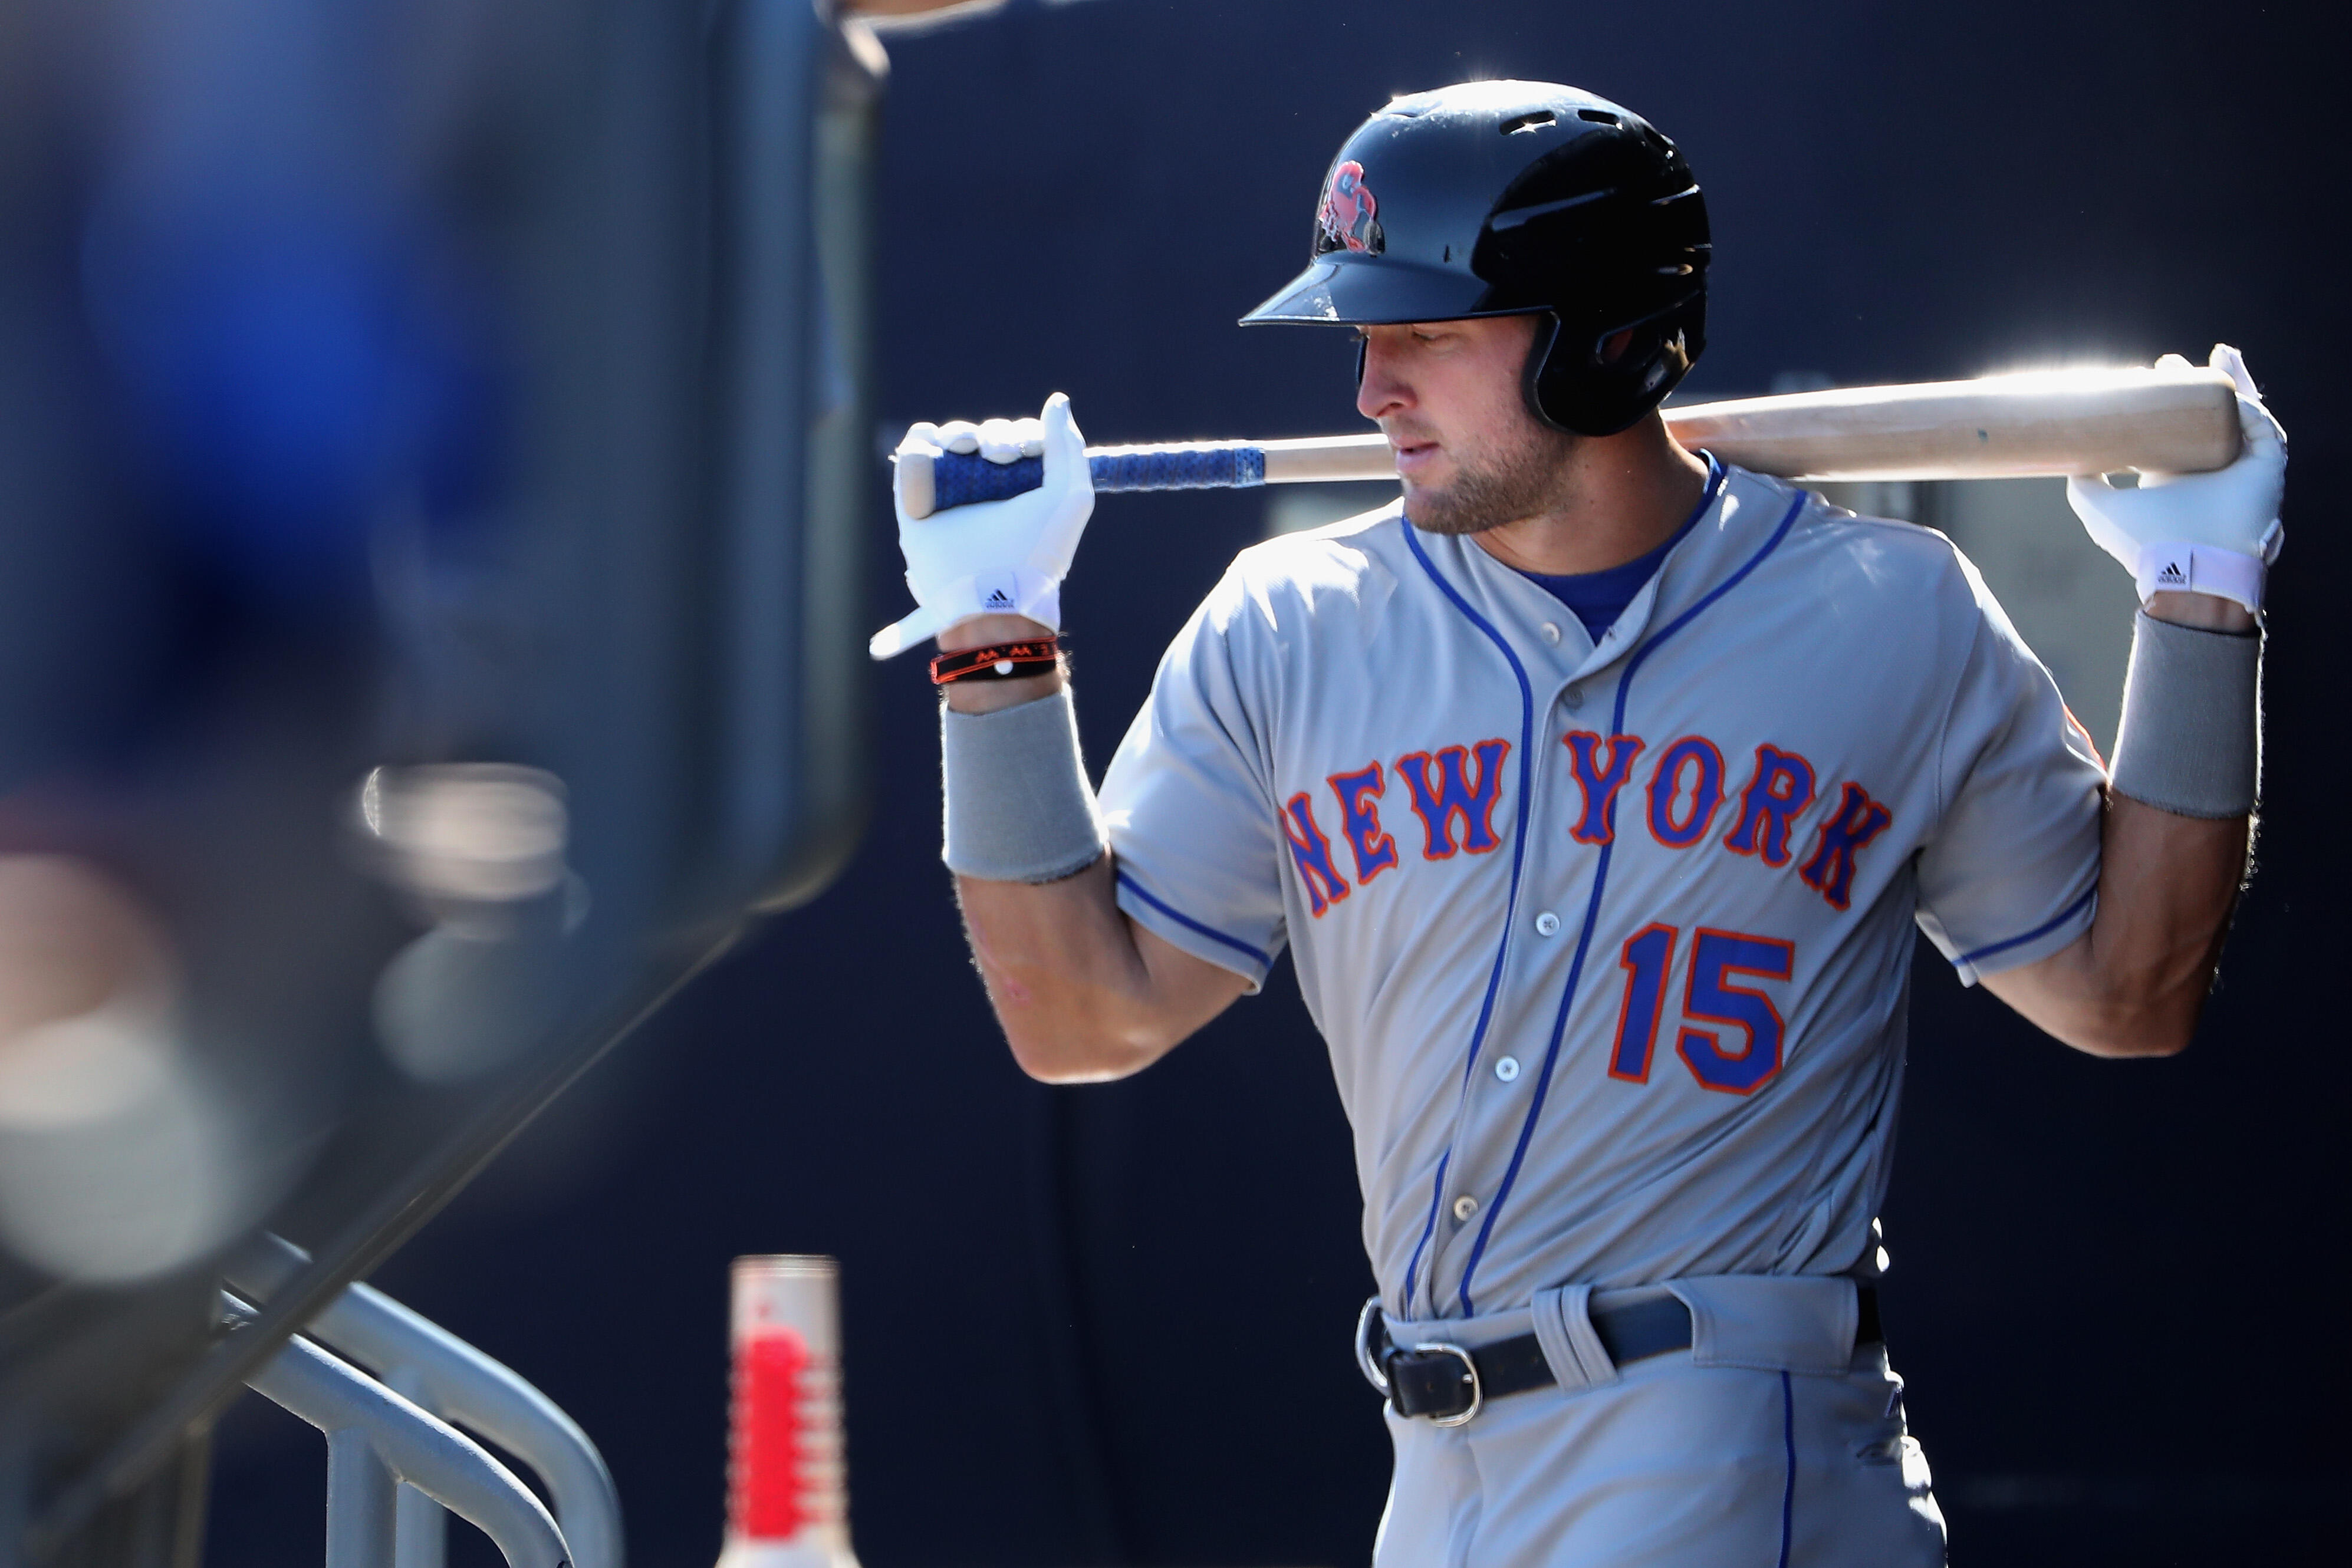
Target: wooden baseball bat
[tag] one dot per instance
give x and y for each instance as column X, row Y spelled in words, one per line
column 2035, row 423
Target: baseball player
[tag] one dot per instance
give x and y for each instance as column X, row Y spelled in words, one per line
column 1595, row 788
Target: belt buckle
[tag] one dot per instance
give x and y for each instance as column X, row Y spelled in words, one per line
column 1477, row 1392
column 1367, row 1362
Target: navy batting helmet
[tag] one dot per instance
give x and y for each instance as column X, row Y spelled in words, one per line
column 1505, row 198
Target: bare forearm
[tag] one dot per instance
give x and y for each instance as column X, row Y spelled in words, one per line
column 1057, row 959
column 2166, row 887
column 2136, row 983
column 1062, row 973
column 1082, row 992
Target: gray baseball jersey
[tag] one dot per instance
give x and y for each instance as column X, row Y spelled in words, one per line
column 1611, row 945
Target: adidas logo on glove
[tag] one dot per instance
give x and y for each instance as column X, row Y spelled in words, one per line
column 997, row 593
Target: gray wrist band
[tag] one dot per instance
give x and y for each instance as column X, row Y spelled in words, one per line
column 1018, row 807
column 2191, row 738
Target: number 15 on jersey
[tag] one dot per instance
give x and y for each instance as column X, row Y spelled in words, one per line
column 1743, row 1049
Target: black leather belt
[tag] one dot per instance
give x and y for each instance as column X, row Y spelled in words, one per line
column 1449, row 1382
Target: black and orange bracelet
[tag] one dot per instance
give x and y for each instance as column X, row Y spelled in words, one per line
column 997, row 661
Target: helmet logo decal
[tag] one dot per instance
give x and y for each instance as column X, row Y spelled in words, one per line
column 1348, row 218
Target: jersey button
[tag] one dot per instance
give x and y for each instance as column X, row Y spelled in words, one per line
column 1508, row 1069
column 1465, row 1206
column 1546, row 924
column 1550, row 632
column 1571, row 699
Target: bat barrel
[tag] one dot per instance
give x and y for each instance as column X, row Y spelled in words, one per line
column 1997, row 427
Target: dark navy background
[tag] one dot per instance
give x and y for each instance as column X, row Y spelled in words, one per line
column 1109, row 1324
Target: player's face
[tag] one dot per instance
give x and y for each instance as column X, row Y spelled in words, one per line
column 1446, row 395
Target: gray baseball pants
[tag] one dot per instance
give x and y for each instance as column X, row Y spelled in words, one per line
column 1774, row 1441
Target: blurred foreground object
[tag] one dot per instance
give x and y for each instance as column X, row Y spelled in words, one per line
column 116, row 1160
column 442, row 1379
column 787, row 1473
column 919, row 13
column 432, row 463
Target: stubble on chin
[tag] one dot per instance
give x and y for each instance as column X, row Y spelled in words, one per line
column 1516, row 480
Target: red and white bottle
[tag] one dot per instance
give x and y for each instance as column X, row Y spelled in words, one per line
column 787, row 1475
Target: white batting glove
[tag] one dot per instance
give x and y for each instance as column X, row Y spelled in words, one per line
column 2199, row 533
column 994, row 558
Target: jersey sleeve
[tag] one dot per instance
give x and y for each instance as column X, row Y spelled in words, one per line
column 2011, row 873
column 1188, row 802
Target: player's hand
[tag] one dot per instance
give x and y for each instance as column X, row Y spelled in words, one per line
column 994, row 557
column 2199, row 533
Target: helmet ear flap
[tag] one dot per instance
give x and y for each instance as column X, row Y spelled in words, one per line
column 1534, row 374
column 1569, row 386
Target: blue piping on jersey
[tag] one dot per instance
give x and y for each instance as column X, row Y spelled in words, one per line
column 1510, row 905
column 2044, row 930
column 1266, row 960
column 1592, row 904
column 1789, row 1446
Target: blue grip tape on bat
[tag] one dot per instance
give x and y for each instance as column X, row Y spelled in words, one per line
column 930, row 482
column 961, row 478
